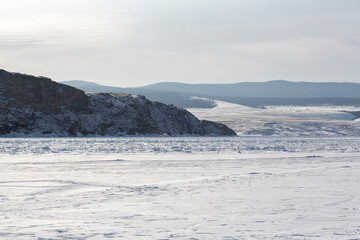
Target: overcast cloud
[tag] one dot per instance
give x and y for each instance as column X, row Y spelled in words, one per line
column 138, row 42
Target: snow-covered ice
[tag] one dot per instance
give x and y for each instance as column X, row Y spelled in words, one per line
column 284, row 120
column 180, row 188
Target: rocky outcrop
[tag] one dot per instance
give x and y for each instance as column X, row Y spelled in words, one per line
column 40, row 94
column 39, row 106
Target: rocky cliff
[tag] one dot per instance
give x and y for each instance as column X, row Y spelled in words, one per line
column 38, row 106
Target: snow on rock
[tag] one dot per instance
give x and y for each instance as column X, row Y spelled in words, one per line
column 37, row 106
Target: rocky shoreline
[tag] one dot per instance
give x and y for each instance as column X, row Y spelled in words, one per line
column 38, row 106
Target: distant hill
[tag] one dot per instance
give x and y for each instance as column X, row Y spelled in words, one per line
column 76, row 83
column 253, row 94
column 184, row 100
column 271, row 89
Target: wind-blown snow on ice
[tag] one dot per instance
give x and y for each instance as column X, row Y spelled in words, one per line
column 180, row 188
column 174, row 145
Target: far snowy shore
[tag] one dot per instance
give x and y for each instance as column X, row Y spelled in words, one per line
column 284, row 120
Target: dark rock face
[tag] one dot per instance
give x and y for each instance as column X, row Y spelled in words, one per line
column 40, row 94
column 38, row 106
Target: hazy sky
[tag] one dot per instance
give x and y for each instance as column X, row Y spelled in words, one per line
column 138, row 42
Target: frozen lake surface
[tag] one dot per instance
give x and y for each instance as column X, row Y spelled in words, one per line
column 180, row 188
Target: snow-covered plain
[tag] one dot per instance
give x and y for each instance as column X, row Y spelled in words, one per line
column 180, row 188
column 284, row 120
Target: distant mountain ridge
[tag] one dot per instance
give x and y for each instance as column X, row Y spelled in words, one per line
column 270, row 89
column 253, row 94
column 169, row 97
